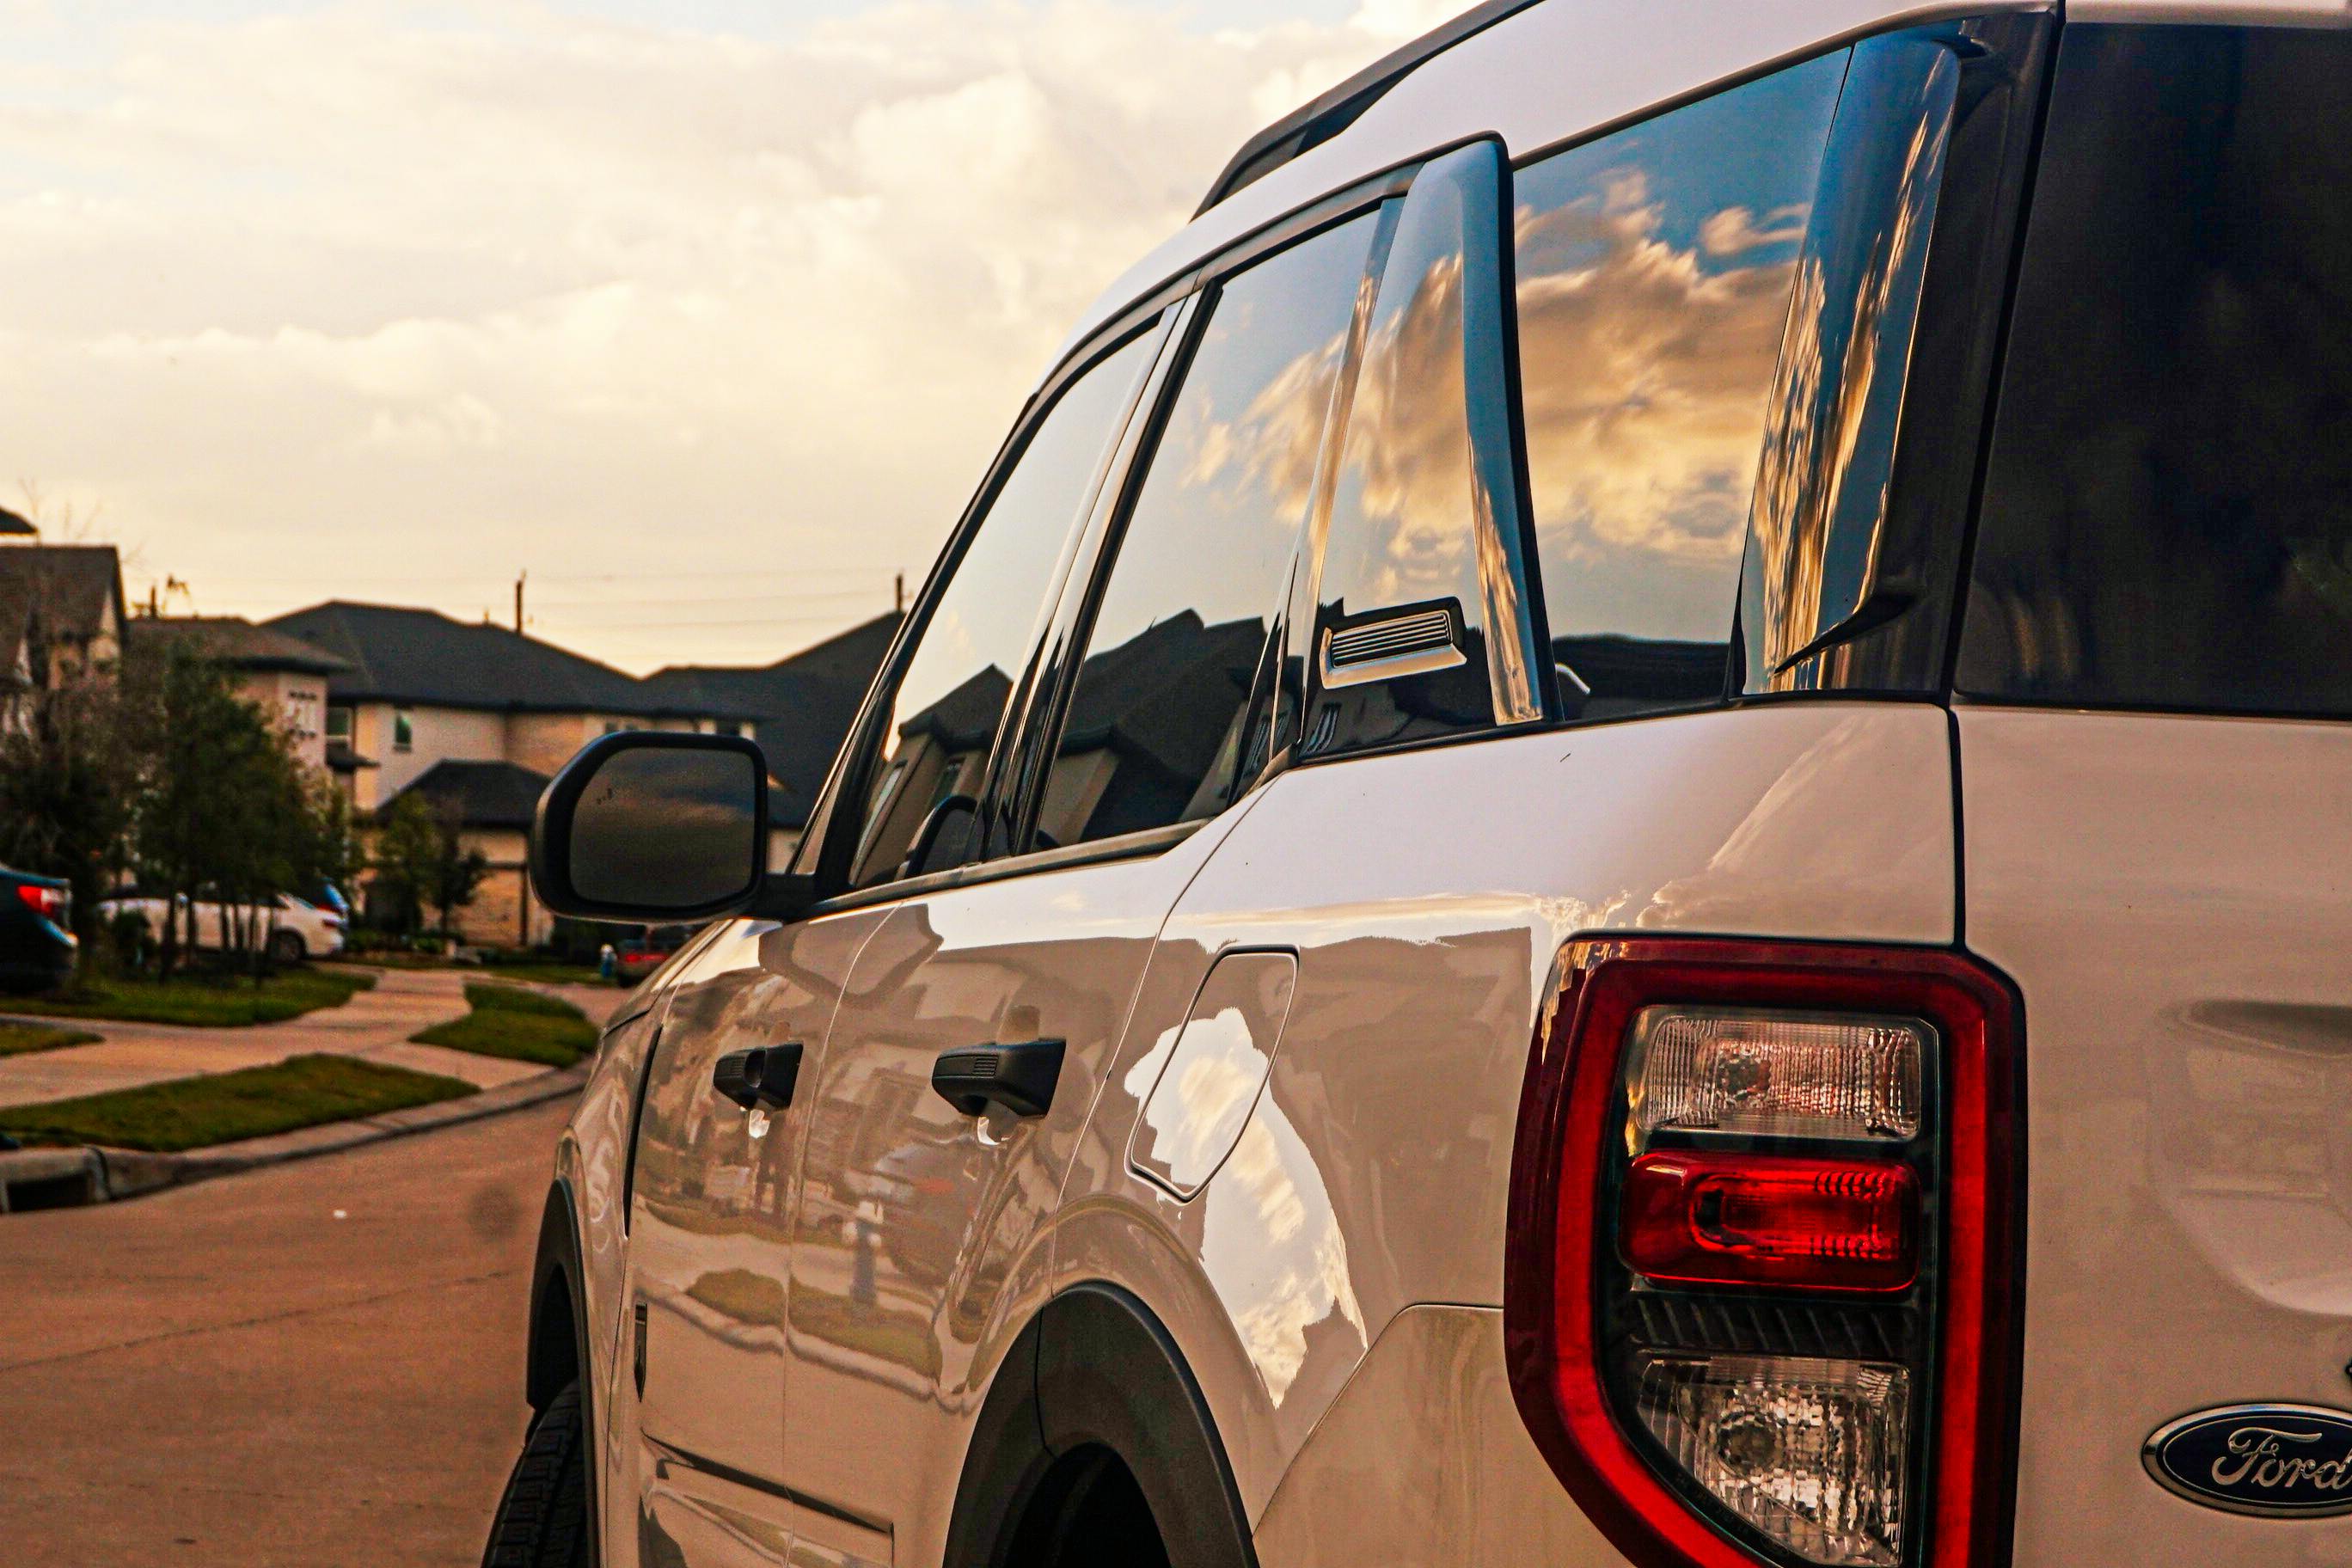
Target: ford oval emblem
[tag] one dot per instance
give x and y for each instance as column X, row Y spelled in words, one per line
column 2281, row 1461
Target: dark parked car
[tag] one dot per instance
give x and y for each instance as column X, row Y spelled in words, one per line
column 36, row 944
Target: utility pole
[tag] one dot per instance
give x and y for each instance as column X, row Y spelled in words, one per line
column 519, row 577
column 899, row 594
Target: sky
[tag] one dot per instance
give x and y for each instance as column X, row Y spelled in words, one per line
column 705, row 317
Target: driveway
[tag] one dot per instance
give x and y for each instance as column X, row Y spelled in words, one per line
column 374, row 1024
column 318, row 1363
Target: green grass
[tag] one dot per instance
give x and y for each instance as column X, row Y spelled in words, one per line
column 521, row 1025
column 21, row 1040
column 197, row 1112
column 206, row 1000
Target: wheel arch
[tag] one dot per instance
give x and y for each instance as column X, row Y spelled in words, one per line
column 556, row 1352
column 1096, row 1370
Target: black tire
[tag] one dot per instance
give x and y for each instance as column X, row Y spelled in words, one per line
column 542, row 1521
column 286, row 947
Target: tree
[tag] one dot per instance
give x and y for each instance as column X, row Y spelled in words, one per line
column 422, row 860
column 225, row 812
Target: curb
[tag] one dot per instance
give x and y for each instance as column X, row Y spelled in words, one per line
column 65, row 1178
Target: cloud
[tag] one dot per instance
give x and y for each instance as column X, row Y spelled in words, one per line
column 375, row 301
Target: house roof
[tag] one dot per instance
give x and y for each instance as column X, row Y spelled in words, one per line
column 55, row 591
column 802, row 706
column 485, row 794
column 237, row 642
column 422, row 656
column 10, row 522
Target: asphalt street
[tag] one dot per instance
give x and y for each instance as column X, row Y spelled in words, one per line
column 317, row 1363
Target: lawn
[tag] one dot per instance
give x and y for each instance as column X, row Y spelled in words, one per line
column 522, row 1026
column 20, row 1039
column 203, row 999
column 197, row 1112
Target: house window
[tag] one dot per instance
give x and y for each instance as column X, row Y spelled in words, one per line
column 339, row 724
column 404, row 731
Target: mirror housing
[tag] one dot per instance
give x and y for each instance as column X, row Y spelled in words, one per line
column 653, row 826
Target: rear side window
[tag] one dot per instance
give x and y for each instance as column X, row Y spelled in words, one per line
column 977, row 640
column 1655, row 270
column 1158, row 729
column 2168, row 517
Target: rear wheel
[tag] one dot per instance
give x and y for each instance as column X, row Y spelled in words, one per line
column 285, row 947
column 542, row 1521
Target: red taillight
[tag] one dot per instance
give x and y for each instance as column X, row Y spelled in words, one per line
column 43, row 901
column 1764, row 1219
column 1760, row 1290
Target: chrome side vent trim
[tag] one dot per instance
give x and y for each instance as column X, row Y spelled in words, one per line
column 1411, row 639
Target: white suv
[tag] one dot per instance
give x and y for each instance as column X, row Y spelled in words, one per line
column 1622, row 835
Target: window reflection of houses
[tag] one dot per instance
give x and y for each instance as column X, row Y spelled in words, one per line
column 941, row 751
column 1154, row 731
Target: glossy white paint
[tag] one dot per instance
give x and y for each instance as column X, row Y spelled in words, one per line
column 709, row 1253
column 1425, row 1459
column 916, row 1230
column 1426, row 894
column 1549, row 74
column 1204, row 1077
column 2173, row 897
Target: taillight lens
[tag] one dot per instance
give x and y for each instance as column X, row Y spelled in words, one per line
column 46, row 902
column 1763, row 1219
column 1758, row 1299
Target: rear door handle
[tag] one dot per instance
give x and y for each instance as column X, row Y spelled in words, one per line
column 1018, row 1078
column 760, row 1079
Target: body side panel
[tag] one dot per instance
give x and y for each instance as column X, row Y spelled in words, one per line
column 1422, row 1459
column 2173, row 897
column 1426, row 894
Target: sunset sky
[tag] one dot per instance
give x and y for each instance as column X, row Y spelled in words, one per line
column 707, row 315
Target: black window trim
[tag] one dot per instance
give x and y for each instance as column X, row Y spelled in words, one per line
column 830, row 830
column 1075, row 621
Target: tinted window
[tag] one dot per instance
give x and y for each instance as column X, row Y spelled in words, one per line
column 1655, row 270
column 1420, row 626
column 2168, row 521
column 978, row 639
column 1158, row 718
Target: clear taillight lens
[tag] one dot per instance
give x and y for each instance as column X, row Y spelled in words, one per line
column 1774, row 1075
column 1811, row 1453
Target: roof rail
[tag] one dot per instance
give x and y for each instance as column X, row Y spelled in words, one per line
column 1321, row 119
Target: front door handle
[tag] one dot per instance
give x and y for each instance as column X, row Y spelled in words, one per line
column 760, row 1079
column 1018, row 1078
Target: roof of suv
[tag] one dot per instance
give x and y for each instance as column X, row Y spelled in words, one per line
column 1537, row 72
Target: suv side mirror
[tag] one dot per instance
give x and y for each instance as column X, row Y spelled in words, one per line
column 651, row 826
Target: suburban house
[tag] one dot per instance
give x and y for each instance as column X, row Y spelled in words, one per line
column 281, row 675
column 61, row 613
column 476, row 718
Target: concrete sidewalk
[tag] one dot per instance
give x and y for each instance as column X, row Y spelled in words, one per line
column 374, row 1025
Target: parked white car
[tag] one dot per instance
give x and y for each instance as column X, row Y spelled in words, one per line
column 295, row 929
column 1623, row 835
